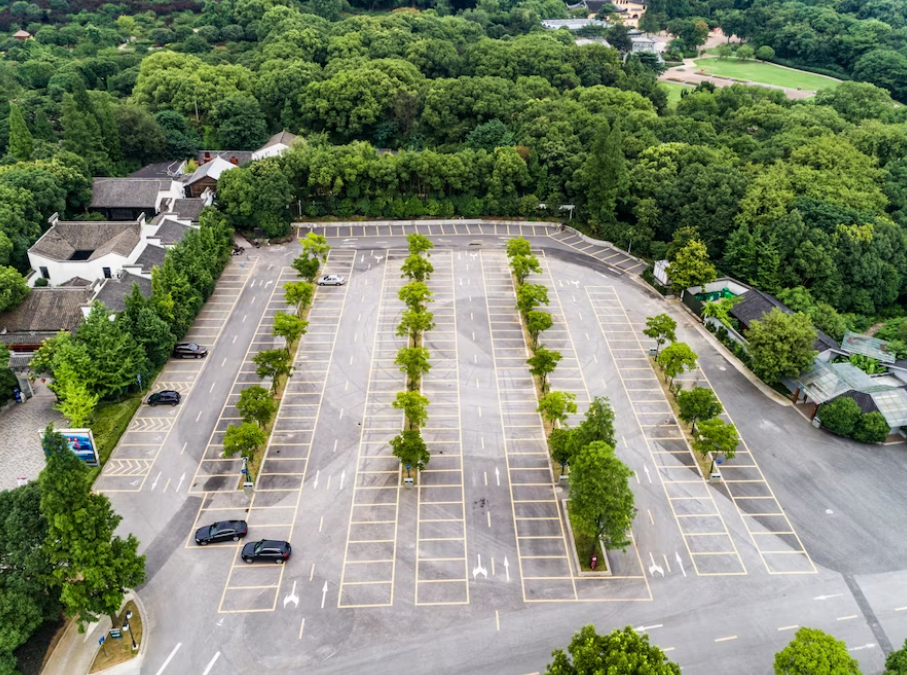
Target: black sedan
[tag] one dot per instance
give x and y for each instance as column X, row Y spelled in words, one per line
column 225, row 530
column 190, row 350
column 166, row 397
column 267, row 550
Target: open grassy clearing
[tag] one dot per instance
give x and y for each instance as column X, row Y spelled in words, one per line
column 674, row 89
column 765, row 73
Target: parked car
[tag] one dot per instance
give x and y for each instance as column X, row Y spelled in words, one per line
column 267, row 550
column 224, row 530
column 238, row 250
column 331, row 280
column 165, row 397
column 190, row 350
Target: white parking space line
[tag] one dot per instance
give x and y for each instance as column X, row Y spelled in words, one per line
column 211, row 664
column 169, row 658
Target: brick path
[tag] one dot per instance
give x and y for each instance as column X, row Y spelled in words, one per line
column 20, row 449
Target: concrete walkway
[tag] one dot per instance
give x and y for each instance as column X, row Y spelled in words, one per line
column 75, row 652
column 21, row 455
column 688, row 74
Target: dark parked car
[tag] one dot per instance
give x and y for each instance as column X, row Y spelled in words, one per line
column 268, row 550
column 225, row 530
column 166, row 397
column 190, row 350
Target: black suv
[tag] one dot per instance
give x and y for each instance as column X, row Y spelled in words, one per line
column 268, row 550
column 190, row 350
column 225, row 530
column 166, row 397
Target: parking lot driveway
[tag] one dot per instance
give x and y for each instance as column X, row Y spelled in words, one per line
column 20, row 453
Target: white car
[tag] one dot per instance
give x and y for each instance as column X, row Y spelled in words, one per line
column 331, row 280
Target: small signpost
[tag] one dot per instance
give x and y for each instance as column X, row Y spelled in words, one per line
column 101, row 641
column 116, row 633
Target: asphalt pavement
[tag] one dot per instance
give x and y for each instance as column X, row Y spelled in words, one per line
column 468, row 571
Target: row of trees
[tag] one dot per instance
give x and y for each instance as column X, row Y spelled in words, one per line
column 109, row 356
column 59, row 551
column 256, row 404
column 628, row 652
column 698, row 405
column 413, row 359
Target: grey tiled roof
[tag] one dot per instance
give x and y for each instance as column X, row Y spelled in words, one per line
column 66, row 237
column 46, row 309
column 158, row 170
column 114, row 291
column 188, row 209
column 284, row 137
column 127, row 192
column 76, row 282
column 171, row 232
column 152, row 256
column 242, row 156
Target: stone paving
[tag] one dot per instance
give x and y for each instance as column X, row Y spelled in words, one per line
column 20, row 452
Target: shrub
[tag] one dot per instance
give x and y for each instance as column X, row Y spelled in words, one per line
column 871, row 428
column 41, row 283
column 840, row 416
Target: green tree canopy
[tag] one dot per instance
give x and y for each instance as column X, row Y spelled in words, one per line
column 593, row 654
column 92, row 566
column 256, row 405
column 781, row 344
column 409, row 447
column 660, row 328
column 697, row 404
column 538, row 322
column 691, row 267
column 716, row 436
column 813, row 652
column 530, row 296
column 601, row 501
column 243, row 439
column 555, row 406
column 414, row 406
column 676, row 359
column 542, row 364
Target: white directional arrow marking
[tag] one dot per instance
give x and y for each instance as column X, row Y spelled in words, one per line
column 647, row 473
column 642, row 629
column 180, row 483
column 507, row 568
column 268, row 284
column 680, row 562
column 317, row 473
column 653, row 568
column 828, row 597
column 856, row 649
column 324, row 594
column 292, row 597
column 497, row 475
column 220, row 622
column 342, row 477
column 135, row 482
column 156, row 479
column 478, row 569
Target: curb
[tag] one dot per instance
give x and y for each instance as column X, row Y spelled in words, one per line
column 133, row 665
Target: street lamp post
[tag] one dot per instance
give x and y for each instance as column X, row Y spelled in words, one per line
column 127, row 628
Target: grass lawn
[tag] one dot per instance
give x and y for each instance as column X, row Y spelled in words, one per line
column 765, row 73
column 110, row 421
column 674, row 89
column 116, row 651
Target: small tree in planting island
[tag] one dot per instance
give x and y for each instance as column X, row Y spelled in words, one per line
column 542, row 364
column 414, row 361
column 661, row 329
column 413, row 322
column 256, row 405
column 410, row 449
column 274, row 364
column 696, row 404
column 243, row 439
column 718, row 437
column 518, row 246
column 555, row 407
column 299, row 294
column 290, row 327
column 414, row 295
column 538, row 322
column 413, row 404
column 417, row 268
column 418, row 243
column 522, row 265
column 676, row 359
column 530, row 296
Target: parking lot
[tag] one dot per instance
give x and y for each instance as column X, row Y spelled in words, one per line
column 481, row 538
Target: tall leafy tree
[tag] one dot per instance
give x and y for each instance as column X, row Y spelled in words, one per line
column 21, row 144
column 414, row 322
column 625, row 651
column 414, row 406
column 77, row 402
column 530, row 296
column 538, row 322
column 13, row 288
column 299, row 294
column 92, row 566
column 604, row 175
column 290, row 327
column 418, row 243
column 114, row 355
column 417, row 268
column 601, row 501
column 414, row 295
column 598, row 425
column 148, row 329
column 781, row 344
column 716, row 436
column 243, row 439
column 691, row 267
column 522, row 265
column 814, row 652
column 273, row 364
column 896, row 662
column 518, row 246
column 414, row 361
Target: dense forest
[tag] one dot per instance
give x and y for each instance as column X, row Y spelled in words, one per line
column 476, row 110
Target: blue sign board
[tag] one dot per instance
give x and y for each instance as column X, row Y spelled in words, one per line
column 81, row 442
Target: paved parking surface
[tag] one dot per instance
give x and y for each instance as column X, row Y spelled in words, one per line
column 470, row 570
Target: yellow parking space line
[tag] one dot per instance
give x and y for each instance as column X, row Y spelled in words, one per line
column 366, row 583
column 367, row 562
column 248, row 588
